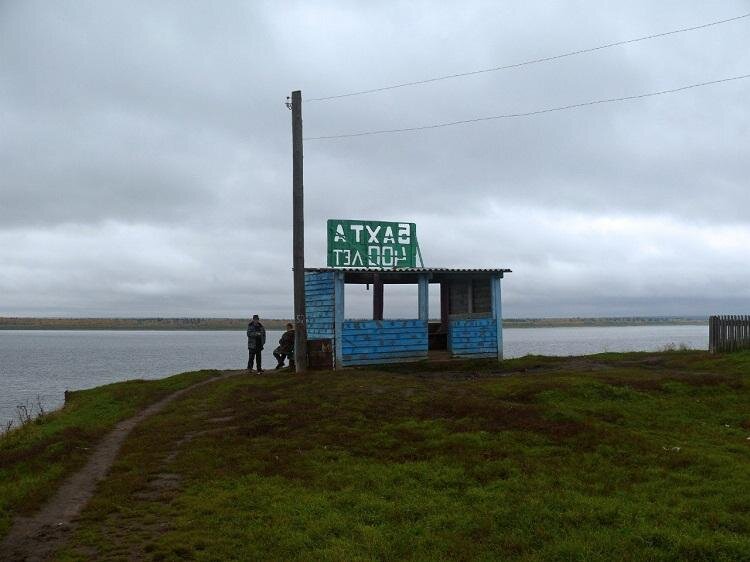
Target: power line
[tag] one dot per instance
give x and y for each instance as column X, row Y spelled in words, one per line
column 528, row 62
column 528, row 113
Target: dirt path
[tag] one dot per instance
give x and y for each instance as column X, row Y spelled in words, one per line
column 40, row 536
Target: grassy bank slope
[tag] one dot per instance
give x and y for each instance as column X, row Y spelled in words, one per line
column 606, row 457
column 35, row 458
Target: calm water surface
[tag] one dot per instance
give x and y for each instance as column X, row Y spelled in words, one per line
column 46, row 363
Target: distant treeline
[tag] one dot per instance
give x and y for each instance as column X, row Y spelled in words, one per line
column 134, row 323
column 613, row 321
column 278, row 324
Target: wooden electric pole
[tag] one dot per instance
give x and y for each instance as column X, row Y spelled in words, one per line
column 298, row 237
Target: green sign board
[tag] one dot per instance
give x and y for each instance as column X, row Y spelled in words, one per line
column 372, row 244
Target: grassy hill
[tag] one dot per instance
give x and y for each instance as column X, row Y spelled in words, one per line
column 614, row 456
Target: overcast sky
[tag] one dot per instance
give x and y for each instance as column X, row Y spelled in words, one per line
column 145, row 152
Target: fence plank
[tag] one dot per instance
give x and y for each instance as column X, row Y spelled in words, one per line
column 727, row 333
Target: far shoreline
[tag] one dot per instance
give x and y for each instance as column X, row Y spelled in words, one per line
column 235, row 324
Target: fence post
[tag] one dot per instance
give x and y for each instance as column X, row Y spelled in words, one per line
column 712, row 334
column 725, row 333
column 732, row 334
column 719, row 338
column 717, row 333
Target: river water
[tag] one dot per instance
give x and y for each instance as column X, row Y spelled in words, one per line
column 45, row 363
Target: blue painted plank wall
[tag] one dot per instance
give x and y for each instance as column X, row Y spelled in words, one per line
column 369, row 342
column 319, row 304
column 476, row 337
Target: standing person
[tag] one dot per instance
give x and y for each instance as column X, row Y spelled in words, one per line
column 286, row 347
column 256, row 339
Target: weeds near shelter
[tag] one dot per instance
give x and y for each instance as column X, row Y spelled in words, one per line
column 26, row 413
column 672, row 347
column 39, row 406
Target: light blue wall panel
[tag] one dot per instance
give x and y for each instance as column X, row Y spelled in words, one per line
column 319, row 304
column 369, row 342
column 476, row 337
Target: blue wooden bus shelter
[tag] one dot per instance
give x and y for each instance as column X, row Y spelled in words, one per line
column 470, row 325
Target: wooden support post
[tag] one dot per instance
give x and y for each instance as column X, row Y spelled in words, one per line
column 338, row 319
column 444, row 305
column 497, row 312
column 298, row 237
column 424, row 303
column 377, row 297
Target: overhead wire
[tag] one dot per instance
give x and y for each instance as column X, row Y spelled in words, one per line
column 528, row 62
column 527, row 113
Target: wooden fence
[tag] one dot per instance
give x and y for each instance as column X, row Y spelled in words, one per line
column 728, row 333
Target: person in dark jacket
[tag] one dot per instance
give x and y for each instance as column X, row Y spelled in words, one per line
column 285, row 348
column 256, row 339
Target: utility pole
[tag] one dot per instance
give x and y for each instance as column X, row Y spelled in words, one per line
column 298, row 237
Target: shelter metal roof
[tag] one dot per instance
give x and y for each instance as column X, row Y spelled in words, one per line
column 408, row 275
column 410, row 270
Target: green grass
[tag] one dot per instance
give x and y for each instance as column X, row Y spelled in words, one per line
column 614, row 456
column 36, row 457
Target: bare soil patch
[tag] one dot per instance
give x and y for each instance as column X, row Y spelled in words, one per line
column 38, row 537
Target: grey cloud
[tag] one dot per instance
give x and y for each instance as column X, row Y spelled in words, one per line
column 146, row 165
